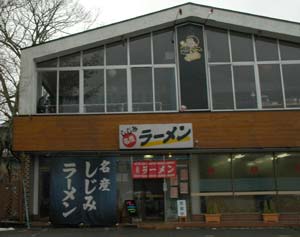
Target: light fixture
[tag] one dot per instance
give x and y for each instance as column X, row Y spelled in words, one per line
column 170, row 155
column 239, row 156
column 282, row 155
column 148, row 156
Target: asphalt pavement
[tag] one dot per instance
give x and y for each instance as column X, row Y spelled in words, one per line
column 134, row 232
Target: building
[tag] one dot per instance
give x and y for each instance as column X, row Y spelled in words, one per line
column 190, row 103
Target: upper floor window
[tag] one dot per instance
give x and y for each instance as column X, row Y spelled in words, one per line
column 218, row 47
column 47, row 92
column 266, row 49
column 218, row 69
column 140, row 50
column 163, row 47
column 116, row 53
column 132, row 75
column 71, row 60
column 241, row 47
column 252, row 72
column 93, row 57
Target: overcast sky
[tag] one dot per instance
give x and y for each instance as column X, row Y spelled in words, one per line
column 111, row 11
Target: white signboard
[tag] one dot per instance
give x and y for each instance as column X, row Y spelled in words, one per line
column 181, row 208
column 156, row 136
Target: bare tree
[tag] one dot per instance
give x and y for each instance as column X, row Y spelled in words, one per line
column 25, row 23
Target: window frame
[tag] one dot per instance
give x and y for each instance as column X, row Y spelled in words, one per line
column 105, row 67
column 175, row 66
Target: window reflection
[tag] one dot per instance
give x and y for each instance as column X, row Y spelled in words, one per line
column 116, row 53
column 94, row 91
column 245, row 88
column 288, row 171
column 71, row 60
column 214, row 172
column 142, row 95
column 46, row 93
column 270, row 85
column 93, row 57
column 289, row 51
column 291, row 84
column 218, row 49
column 140, row 50
column 48, row 63
column 69, row 92
column 165, row 96
column 253, row 172
column 241, row 41
column 233, row 75
column 163, row 47
column 116, row 90
column 221, row 83
column 266, row 49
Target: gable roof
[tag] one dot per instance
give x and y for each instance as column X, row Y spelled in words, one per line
column 223, row 18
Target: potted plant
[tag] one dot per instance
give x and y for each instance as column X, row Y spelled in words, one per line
column 269, row 213
column 213, row 214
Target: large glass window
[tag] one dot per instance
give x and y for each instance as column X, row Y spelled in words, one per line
column 291, row 78
column 71, row 60
column 48, row 63
column 93, row 57
column 214, row 172
column 245, row 182
column 165, row 96
column 69, row 91
column 288, row 171
column 218, row 49
column 266, row 49
column 245, row 89
column 245, row 72
column 270, row 85
column 46, row 94
column 289, row 51
column 163, row 47
column 253, row 172
column 241, row 46
column 221, row 86
column 142, row 93
column 116, row 53
column 116, row 90
column 140, row 50
column 94, row 90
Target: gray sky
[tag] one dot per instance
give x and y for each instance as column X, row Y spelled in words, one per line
column 117, row 10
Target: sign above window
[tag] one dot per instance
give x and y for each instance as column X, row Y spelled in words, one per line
column 153, row 169
column 156, row 136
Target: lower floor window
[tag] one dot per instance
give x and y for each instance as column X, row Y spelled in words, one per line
column 235, row 182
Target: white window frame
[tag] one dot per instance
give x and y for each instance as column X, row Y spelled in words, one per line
column 175, row 66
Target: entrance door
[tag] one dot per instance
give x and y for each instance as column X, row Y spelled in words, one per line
column 149, row 197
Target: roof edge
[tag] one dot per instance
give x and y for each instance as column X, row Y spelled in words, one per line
column 152, row 13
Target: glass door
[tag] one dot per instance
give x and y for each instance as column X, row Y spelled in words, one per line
column 149, row 197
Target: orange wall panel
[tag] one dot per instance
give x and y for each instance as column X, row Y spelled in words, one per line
column 211, row 129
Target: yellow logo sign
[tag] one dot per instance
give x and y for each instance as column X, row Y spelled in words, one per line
column 190, row 48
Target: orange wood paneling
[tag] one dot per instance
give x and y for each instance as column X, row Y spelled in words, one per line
column 211, row 129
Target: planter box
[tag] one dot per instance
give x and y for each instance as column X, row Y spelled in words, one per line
column 270, row 217
column 212, row 218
